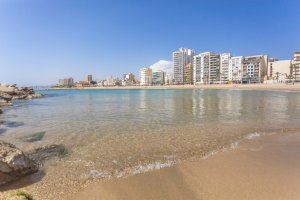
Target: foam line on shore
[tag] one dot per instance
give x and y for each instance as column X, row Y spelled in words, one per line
column 143, row 168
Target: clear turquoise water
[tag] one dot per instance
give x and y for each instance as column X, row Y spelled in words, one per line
column 111, row 133
column 102, row 111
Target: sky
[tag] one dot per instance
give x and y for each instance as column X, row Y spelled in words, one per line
column 42, row 41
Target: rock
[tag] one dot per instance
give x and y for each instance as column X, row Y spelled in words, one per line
column 5, row 96
column 34, row 137
column 14, row 164
column 20, row 195
column 17, row 198
column 8, row 89
column 9, row 93
column 46, row 152
column 1, row 111
column 11, row 124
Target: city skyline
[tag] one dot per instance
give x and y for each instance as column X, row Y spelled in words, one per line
column 112, row 38
column 193, row 68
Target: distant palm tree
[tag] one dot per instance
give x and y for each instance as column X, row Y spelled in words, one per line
column 277, row 76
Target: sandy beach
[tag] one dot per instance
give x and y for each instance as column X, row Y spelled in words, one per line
column 279, row 86
column 266, row 167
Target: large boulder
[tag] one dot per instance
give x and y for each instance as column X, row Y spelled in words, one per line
column 5, row 98
column 14, row 164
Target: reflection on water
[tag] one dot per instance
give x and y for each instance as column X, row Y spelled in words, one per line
column 127, row 111
column 117, row 132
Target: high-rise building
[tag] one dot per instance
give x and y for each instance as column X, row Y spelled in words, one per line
column 146, row 76
column 296, row 66
column 89, row 78
column 255, row 69
column 158, row 77
column 214, row 68
column 169, row 79
column 206, row 68
column 224, row 67
column 181, row 58
column 68, row 82
column 198, row 70
column 188, row 73
column 235, row 70
column 279, row 69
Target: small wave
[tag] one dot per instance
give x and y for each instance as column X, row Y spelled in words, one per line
column 139, row 169
column 152, row 166
column 95, row 174
column 252, row 136
column 142, row 168
column 209, row 154
column 232, row 145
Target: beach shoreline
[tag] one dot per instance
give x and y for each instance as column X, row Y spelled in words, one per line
column 266, row 167
column 279, row 86
column 134, row 162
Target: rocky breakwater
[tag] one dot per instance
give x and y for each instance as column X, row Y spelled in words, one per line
column 9, row 93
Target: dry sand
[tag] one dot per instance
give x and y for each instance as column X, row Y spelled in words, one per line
column 266, row 167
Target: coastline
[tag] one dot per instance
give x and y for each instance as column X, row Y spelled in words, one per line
column 279, row 86
column 48, row 184
column 266, row 167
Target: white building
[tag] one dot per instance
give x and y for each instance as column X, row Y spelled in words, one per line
column 109, row 81
column 146, row 76
column 181, row 58
column 235, row 70
column 206, row 68
column 128, row 79
column 169, row 79
column 224, row 67
column 198, row 69
column 296, row 66
column 279, row 70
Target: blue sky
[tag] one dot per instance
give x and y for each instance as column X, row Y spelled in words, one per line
column 42, row 41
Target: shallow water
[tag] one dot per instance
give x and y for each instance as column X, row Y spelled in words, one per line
column 115, row 133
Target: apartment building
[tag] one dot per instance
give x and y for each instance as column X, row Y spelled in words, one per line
column 296, row 66
column 68, row 82
column 197, row 69
column 279, row 69
column 146, row 76
column 207, row 68
column 235, row 69
column 89, row 79
column 254, row 69
column 128, row 79
column 169, row 79
column 181, row 58
column 158, row 77
column 224, row 67
column 188, row 74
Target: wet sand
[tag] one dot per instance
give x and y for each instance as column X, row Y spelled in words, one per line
column 266, row 167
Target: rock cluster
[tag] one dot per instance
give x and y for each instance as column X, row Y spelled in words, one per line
column 14, row 163
column 9, row 93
